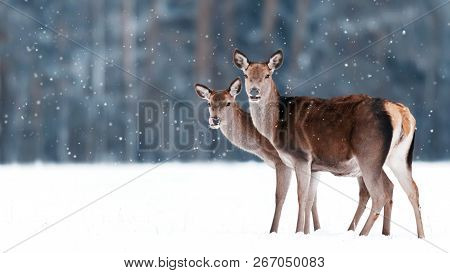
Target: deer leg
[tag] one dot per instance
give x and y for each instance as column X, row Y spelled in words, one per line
column 371, row 159
column 283, row 176
column 310, row 200
column 315, row 214
column 388, row 207
column 363, row 199
column 303, row 174
column 376, row 187
column 404, row 176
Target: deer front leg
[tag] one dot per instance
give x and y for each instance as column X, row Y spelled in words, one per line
column 311, row 201
column 303, row 174
column 283, row 174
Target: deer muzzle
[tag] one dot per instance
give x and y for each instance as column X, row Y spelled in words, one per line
column 214, row 122
column 254, row 94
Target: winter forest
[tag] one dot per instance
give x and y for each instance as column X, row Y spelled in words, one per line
column 112, row 80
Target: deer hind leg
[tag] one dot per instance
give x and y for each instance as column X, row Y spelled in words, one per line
column 363, row 199
column 403, row 173
column 379, row 199
column 375, row 181
column 311, row 201
column 283, row 176
column 388, row 206
column 303, row 174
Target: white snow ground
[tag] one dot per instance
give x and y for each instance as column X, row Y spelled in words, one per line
column 207, row 209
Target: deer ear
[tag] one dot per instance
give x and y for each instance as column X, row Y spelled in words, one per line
column 202, row 91
column 235, row 87
column 240, row 60
column 276, row 60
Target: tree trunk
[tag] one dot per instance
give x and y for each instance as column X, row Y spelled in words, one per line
column 129, row 62
column 203, row 48
column 299, row 32
column 268, row 23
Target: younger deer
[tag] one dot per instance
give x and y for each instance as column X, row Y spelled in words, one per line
column 351, row 136
column 237, row 126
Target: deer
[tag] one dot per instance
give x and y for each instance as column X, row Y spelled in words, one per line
column 238, row 128
column 354, row 135
column 236, row 125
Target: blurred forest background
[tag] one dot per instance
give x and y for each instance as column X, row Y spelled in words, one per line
column 74, row 97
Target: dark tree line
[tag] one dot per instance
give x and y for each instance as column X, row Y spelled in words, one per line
column 75, row 96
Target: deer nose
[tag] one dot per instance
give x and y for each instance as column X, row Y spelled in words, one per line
column 215, row 120
column 254, row 92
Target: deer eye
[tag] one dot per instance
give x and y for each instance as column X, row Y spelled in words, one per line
column 245, row 76
column 228, row 103
column 209, row 104
column 267, row 76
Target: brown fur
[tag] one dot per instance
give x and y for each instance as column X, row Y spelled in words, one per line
column 325, row 130
column 237, row 127
column 352, row 135
column 400, row 114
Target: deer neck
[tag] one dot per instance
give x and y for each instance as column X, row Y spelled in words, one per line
column 238, row 127
column 265, row 113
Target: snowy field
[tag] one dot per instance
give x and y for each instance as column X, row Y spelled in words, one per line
column 204, row 208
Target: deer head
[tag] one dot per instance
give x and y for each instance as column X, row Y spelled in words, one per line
column 258, row 75
column 219, row 102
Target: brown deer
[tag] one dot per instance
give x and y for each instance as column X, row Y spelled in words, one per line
column 346, row 136
column 236, row 125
